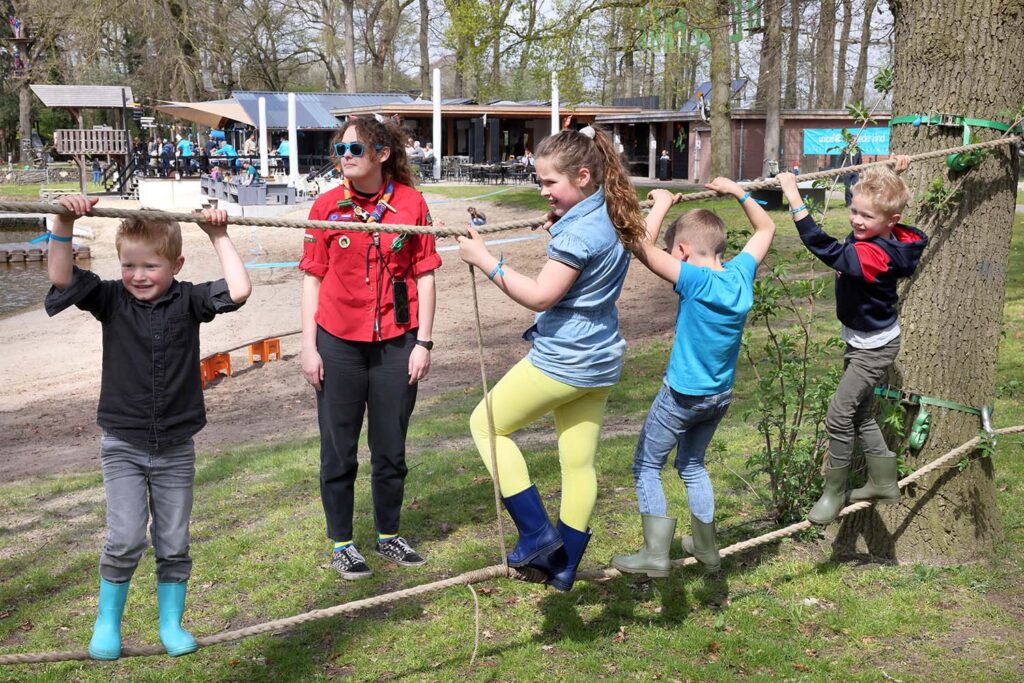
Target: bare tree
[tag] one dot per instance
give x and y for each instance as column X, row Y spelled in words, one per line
column 792, row 52
column 860, row 76
column 772, row 86
column 424, row 40
column 824, row 54
column 844, row 46
column 721, row 123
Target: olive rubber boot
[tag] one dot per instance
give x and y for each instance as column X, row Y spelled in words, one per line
column 833, row 497
column 881, row 485
column 652, row 558
column 703, row 544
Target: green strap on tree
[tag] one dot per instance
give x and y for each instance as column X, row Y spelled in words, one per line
column 922, row 423
column 964, row 160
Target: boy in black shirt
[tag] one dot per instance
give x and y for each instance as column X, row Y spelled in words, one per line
column 151, row 400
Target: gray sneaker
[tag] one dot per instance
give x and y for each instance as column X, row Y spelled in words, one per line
column 398, row 550
column 350, row 563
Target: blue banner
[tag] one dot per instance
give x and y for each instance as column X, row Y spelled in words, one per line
column 873, row 141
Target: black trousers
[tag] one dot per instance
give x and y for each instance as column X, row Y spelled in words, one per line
column 370, row 378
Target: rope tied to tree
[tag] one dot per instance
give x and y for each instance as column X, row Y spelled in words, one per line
column 478, row 576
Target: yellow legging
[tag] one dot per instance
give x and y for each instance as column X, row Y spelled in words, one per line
column 522, row 396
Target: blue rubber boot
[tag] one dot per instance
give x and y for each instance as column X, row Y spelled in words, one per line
column 171, row 598
column 536, row 535
column 560, row 566
column 106, row 634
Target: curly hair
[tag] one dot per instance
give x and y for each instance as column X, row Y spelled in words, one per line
column 372, row 132
column 570, row 150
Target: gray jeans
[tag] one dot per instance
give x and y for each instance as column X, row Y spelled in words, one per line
column 140, row 482
column 851, row 411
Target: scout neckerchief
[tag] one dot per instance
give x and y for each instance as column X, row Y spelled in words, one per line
column 348, row 201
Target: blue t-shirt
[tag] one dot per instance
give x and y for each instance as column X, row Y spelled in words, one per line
column 283, row 149
column 186, row 147
column 713, row 306
column 577, row 340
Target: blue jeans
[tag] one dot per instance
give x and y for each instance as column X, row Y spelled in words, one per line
column 139, row 481
column 687, row 424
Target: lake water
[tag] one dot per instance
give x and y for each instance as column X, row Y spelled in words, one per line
column 22, row 285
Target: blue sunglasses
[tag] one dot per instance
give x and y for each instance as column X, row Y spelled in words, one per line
column 357, row 149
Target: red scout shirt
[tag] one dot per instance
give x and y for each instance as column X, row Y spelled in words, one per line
column 355, row 289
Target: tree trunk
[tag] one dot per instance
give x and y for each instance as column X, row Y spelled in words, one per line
column 839, row 97
column 721, row 125
column 25, row 121
column 860, row 76
column 824, row 54
column 952, row 313
column 350, row 45
column 773, row 84
column 789, row 99
column 424, row 49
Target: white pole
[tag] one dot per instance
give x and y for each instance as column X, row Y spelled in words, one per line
column 264, row 163
column 437, row 124
column 554, row 103
column 293, row 141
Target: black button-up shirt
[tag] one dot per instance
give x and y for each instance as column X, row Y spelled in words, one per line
column 151, row 393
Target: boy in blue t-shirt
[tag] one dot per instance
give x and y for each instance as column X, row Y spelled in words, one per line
column 714, row 298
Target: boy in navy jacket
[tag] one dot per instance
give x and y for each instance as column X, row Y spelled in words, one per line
column 875, row 255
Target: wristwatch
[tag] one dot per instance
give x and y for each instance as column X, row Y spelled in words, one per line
column 428, row 345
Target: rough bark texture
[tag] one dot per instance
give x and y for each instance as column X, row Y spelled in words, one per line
column 860, row 76
column 721, row 125
column 424, row 48
column 824, row 54
column 952, row 311
column 350, row 45
column 838, row 98
column 25, row 122
column 773, row 83
column 789, row 99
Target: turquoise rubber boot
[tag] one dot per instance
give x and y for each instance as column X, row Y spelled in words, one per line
column 106, row 634
column 171, row 598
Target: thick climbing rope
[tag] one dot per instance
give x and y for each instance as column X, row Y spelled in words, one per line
column 479, row 576
column 439, row 231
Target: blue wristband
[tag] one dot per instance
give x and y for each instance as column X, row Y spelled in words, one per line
column 746, row 196
column 497, row 269
column 58, row 238
column 802, row 207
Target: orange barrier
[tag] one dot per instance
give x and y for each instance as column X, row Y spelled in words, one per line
column 260, row 351
column 213, row 365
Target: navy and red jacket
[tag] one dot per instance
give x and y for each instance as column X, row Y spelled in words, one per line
column 867, row 271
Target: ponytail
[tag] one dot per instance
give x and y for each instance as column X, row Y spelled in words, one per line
column 591, row 148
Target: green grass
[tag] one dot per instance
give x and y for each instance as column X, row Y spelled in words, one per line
column 785, row 612
column 32, row 191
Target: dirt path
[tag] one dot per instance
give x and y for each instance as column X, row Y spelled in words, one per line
column 50, row 366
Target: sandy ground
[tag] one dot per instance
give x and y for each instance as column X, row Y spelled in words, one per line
column 50, row 367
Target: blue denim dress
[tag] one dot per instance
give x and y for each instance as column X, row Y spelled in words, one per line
column 577, row 341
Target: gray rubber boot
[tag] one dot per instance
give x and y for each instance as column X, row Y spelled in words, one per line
column 703, row 544
column 881, row 485
column 652, row 558
column 833, row 498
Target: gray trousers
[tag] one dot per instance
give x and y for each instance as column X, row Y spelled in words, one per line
column 851, row 411
column 141, row 482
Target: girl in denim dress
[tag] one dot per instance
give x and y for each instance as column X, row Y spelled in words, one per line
column 576, row 349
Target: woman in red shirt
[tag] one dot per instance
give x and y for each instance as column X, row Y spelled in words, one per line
column 367, row 315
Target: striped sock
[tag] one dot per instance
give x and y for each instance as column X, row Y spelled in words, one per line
column 382, row 538
column 341, row 545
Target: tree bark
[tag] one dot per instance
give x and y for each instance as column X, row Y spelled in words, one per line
column 350, row 45
column 789, row 99
column 424, row 48
column 952, row 311
column 839, row 97
column 860, row 76
column 773, row 84
column 721, row 125
column 25, row 121
column 824, row 54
